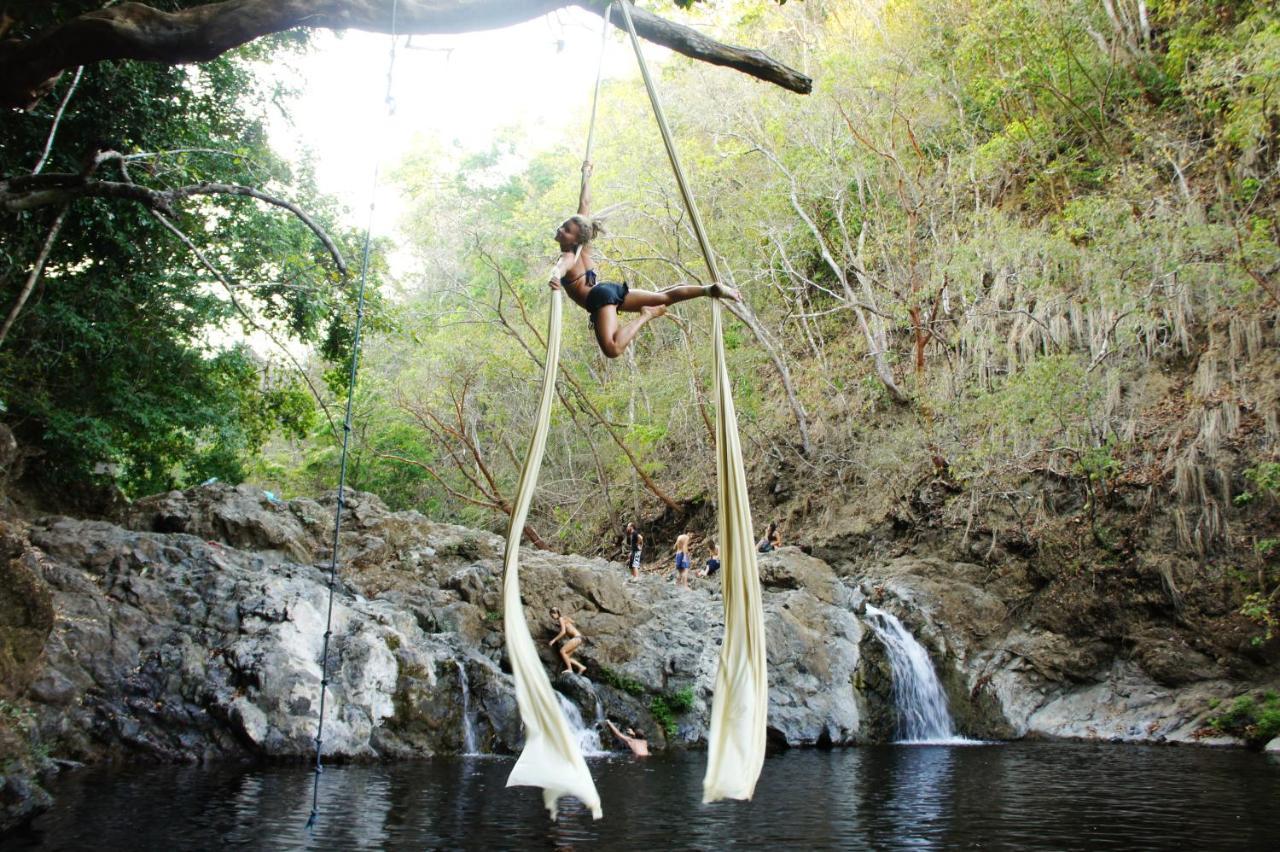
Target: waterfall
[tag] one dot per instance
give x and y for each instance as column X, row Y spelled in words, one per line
column 468, row 726
column 917, row 694
column 588, row 737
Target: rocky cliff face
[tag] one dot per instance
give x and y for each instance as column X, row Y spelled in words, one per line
column 194, row 632
column 1015, row 678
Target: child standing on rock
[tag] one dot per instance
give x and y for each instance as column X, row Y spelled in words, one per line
column 682, row 560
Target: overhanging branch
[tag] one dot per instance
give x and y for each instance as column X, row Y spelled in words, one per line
column 30, row 67
column 27, row 192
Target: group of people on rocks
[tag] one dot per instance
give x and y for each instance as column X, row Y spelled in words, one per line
column 634, row 544
column 634, row 552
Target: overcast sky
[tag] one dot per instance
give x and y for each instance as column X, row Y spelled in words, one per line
column 458, row 88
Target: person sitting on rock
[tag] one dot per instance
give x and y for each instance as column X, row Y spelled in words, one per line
column 573, row 643
column 772, row 539
column 713, row 562
column 634, row 739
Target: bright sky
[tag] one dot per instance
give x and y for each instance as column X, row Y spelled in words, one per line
column 457, row 88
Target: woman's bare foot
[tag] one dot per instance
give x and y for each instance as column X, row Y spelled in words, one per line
column 719, row 291
column 653, row 312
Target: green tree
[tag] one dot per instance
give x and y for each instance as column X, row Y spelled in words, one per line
column 153, row 342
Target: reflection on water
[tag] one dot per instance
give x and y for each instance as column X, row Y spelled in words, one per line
column 1020, row 796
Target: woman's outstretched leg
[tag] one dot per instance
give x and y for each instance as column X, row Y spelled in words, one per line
column 613, row 337
column 639, row 299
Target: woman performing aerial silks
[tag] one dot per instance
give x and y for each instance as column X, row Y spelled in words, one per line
column 576, row 273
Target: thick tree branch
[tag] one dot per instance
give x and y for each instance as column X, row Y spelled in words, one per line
column 30, row 67
column 27, row 192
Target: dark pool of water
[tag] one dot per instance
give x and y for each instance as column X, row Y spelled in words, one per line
column 1018, row 796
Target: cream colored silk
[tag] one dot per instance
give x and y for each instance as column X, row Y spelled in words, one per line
column 739, row 709
column 551, row 758
column 741, row 703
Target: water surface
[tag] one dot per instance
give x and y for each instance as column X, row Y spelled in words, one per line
column 1017, row 796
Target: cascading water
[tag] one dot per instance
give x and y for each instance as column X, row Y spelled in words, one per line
column 468, row 725
column 922, row 705
column 588, row 737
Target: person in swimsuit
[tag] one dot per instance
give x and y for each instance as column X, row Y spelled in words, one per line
column 772, row 539
column 633, row 739
column 713, row 562
column 635, row 545
column 682, row 560
column 573, row 643
column 575, row 272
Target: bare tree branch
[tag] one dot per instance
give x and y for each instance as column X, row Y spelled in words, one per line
column 28, row 192
column 57, row 119
column 34, row 275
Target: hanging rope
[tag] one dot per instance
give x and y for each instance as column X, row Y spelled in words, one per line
column 551, row 758
column 740, row 707
column 346, row 439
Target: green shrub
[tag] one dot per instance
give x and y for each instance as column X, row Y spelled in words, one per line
column 681, row 701
column 1256, row 722
column 619, row 681
column 667, row 706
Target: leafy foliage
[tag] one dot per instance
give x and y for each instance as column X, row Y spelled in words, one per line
column 1255, row 720
column 131, row 356
column 667, row 706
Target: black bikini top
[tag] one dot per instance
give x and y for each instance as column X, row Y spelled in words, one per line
column 591, row 279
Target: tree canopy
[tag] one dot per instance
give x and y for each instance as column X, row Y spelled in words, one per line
column 132, row 353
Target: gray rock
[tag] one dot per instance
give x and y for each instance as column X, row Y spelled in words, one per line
column 196, row 633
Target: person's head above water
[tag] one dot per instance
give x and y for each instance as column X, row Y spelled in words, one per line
column 577, row 231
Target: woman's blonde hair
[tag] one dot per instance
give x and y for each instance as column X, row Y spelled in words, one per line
column 588, row 229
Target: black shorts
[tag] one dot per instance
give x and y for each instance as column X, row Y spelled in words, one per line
column 605, row 293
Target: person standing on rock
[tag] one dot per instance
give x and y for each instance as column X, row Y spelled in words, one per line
column 635, row 544
column 633, row 739
column 573, row 643
column 682, row 560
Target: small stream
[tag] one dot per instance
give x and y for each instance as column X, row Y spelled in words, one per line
column 1015, row 796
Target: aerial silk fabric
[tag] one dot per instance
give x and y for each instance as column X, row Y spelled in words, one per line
column 551, row 758
column 740, row 707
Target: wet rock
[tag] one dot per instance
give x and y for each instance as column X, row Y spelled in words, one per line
column 21, row 800
column 1008, row 678
column 196, row 632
